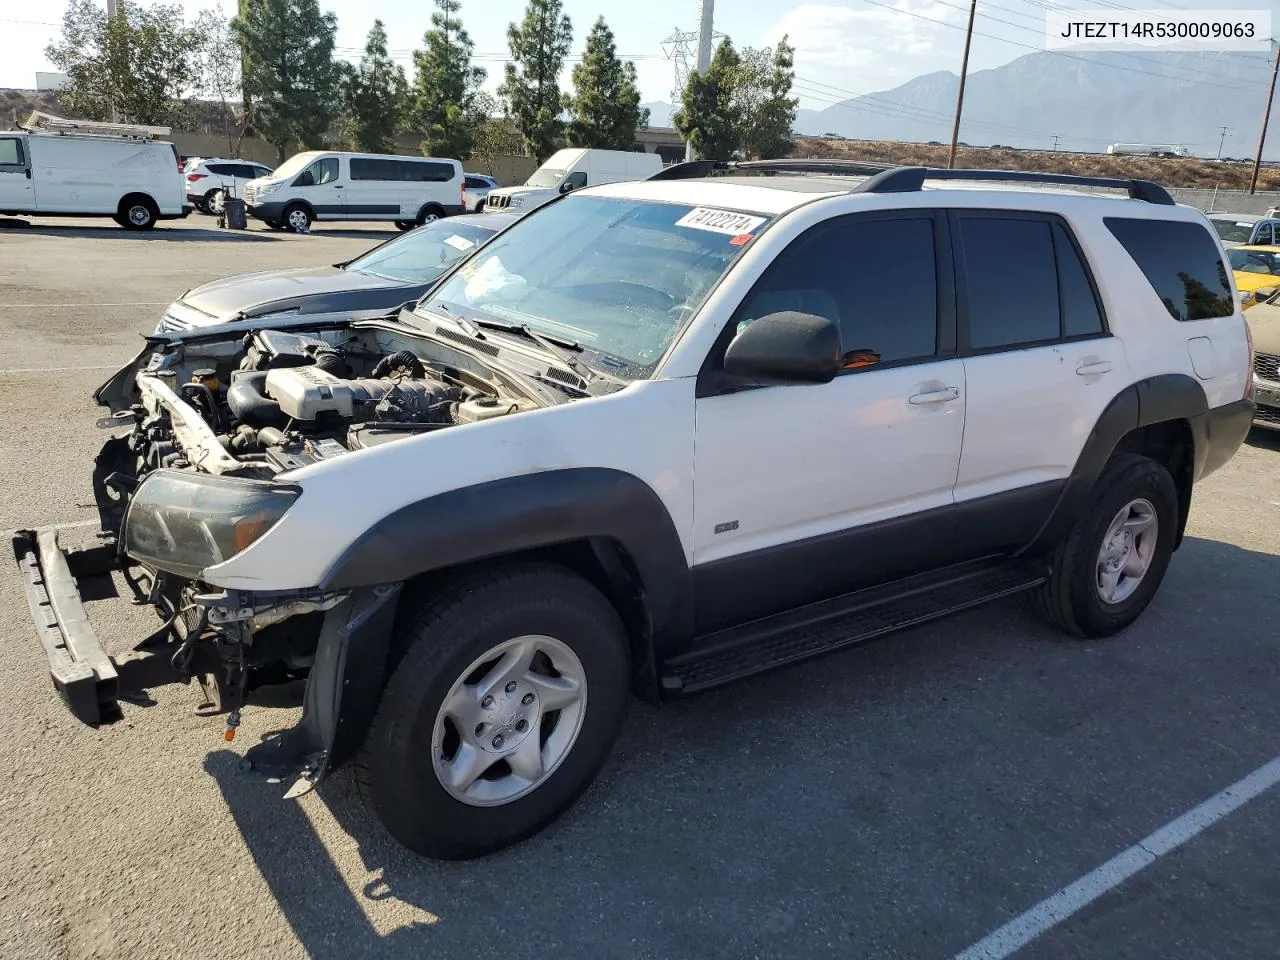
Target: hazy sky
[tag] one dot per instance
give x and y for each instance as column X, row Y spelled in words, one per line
column 844, row 47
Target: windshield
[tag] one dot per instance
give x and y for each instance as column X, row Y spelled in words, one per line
column 423, row 254
column 545, row 177
column 1233, row 231
column 295, row 164
column 619, row 277
column 1254, row 261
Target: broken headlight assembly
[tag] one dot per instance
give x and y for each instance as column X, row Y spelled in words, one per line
column 184, row 522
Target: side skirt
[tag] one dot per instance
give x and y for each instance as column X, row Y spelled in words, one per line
column 834, row 624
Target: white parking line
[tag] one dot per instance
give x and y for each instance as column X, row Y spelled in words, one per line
column 100, row 366
column 1048, row 913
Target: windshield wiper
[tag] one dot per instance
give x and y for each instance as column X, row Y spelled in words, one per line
column 558, row 347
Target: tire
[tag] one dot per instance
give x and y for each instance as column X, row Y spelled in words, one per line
column 213, row 202
column 1072, row 598
column 408, row 753
column 430, row 213
column 296, row 219
column 480, row 205
column 137, row 212
column 405, row 224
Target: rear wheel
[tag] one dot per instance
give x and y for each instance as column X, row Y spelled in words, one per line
column 297, row 219
column 213, row 201
column 1109, row 566
column 510, row 693
column 405, row 224
column 430, row 213
column 137, row 212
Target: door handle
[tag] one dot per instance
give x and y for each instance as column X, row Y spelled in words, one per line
column 1094, row 368
column 944, row 395
column 337, row 186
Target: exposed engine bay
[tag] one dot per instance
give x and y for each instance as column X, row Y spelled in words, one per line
column 279, row 400
column 208, row 414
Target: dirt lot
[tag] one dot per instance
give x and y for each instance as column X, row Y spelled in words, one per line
column 903, row 799
column 1170, row 172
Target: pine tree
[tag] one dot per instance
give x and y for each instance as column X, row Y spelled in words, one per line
column 445, row 85
column 376, row 96
column 709, row 117
column 764, row 102
column 606, row 102
column 289, row 70
column 531, row 88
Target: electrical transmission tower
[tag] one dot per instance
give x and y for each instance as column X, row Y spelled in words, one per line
column 681, row 48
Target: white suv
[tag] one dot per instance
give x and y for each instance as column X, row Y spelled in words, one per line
column 654, row 437
column 210, row 180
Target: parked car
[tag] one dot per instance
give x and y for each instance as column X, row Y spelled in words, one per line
column 573, row 169
column 1256, row 268
column 476, row 189
column 322, row 185
column 79, row 168
column 1264, row 327
column 392, row 273
column 1237, row 229
column 208, row 180
column 654, row 437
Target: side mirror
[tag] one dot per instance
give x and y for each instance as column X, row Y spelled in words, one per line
column 787, row 347
column 565, row 186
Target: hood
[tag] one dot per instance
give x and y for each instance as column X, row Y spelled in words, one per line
column 308, row 288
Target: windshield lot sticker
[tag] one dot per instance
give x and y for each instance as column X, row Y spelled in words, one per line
column 720, row 221
column 459, row 243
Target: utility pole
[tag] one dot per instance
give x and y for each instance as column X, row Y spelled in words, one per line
column 1221, row 138
column 1056, row 138
column 111, row 15
column 1266, row 118
column 704, row 51
column 964, row 73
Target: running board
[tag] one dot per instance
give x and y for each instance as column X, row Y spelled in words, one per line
column 843, row 621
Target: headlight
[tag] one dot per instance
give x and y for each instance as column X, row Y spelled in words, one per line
column 184, row 522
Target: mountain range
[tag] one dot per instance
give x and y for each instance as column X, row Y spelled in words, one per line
column 1087, row 100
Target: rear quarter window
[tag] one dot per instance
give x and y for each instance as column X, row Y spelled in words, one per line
column 1181, row 262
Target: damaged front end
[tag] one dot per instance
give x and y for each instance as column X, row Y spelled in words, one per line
column 233, row 644
column 208, row 429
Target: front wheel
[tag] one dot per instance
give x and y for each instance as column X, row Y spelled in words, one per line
column 405, row 224
column 297, row 219
column 1109, row 566
column 511, row 691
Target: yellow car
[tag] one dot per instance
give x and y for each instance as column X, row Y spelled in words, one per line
column 1256, row 268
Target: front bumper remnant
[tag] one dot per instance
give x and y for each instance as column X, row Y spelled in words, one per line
column 83, row 674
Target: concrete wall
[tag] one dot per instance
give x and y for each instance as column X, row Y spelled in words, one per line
column 507, row 169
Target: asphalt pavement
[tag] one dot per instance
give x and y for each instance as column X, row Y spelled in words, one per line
column 900, row 800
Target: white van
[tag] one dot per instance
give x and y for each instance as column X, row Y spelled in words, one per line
column 573, row 169
column 72, row 168
column 324, row 185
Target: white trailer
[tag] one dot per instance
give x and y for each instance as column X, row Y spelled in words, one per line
column 1149, row 149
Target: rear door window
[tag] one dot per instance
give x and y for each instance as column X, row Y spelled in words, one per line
column 1181, row 262
column 426, row 171
column 367, row 168
column 1023, row 283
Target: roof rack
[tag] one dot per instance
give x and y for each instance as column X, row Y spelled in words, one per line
column 40, row 122
column 895, row 179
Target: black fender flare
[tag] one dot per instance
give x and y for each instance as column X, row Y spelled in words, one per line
column 526, row 512
column 1170, row 396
